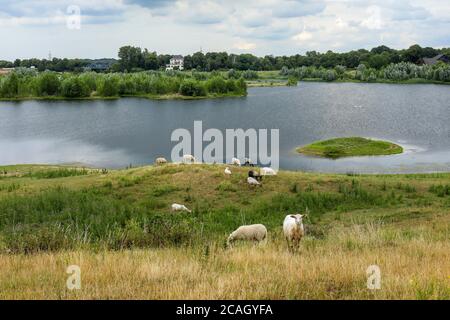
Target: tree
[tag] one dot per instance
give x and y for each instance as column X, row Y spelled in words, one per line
column 150, row 60
column 130, row 58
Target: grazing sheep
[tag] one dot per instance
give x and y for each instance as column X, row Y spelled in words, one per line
column 254, row 174
column 266, row 171
column 179, row 207
column 227, row 171
column 236, row 162
column 160, row 161
column 248, row 162
column 293, row 230
column 188, row 158
column 253, row 182
column 254, row 232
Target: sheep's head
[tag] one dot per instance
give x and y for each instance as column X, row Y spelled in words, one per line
column 230, row 240
column 298, row 218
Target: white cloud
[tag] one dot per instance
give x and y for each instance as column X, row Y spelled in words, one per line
column 32, row 28
column 374, row 21
column 303, row 36
column 245, row 46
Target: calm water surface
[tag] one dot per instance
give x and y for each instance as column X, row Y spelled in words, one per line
column 117, row 133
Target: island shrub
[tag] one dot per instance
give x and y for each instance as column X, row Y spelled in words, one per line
column 108, row 86
column 217, row 85
column 250, row 75
column 9, row 86
column 74, row 87
column 192, row 88
column 48, row 84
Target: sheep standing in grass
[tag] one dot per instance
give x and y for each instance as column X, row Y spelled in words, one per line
column 179, row 207
column 293, row 230
column 160, row 161
column 253, row 232
column 266, row 171
column 236, row 162
column 188, row 158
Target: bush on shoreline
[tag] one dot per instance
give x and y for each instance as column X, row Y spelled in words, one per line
column 19, row 85
column 402, row 71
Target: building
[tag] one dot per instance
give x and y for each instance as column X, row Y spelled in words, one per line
column 176, row 63
column 436, row 59
column 99, row 65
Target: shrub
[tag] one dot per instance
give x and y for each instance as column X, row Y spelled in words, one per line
column 73, row 87
column 108, row 86
column 192, row 88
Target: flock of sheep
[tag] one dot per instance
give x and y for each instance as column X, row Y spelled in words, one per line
column 293, row 228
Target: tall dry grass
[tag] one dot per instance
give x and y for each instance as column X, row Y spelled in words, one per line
column 414, row 265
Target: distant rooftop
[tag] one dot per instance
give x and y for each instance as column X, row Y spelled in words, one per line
column 435, row 59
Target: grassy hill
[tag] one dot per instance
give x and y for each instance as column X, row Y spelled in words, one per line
column 118, row 227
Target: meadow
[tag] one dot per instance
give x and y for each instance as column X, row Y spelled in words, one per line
column 118, row 227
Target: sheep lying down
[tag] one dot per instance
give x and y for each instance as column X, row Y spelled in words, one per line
column 253, row 232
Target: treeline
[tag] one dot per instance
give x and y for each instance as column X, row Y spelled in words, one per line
column 134, row 59
column 393, row 72
column 60, row 65
column 28, row 84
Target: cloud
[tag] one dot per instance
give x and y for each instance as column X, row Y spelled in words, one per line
column 303, row 36
column 299, row 8
column 32, row 28
column 374, row 20
column 245, row 46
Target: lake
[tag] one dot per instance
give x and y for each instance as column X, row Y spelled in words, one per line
column 116, row 133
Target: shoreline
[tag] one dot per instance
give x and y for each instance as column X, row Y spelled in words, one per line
column 25, row 167
column 252, row 84
column 143, row 96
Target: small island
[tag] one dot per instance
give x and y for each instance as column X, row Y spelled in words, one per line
column 350, row 147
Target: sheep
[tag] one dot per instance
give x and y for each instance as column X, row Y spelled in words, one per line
column 293, row 230
column 227, row 171
column 253, row 232
column 188, row 158
column 248, row 162
column 236, row 162
column 266, row 171
column 179, row 207
column 252, row 181
column 255, row 175
column 160, row 161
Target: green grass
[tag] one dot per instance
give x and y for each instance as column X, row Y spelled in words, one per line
column 348, row 147
column 118, row 227
column 54, row 209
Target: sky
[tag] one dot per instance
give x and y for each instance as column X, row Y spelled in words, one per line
column 97, row 28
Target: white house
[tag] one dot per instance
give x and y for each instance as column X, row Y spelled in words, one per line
column 176, row 63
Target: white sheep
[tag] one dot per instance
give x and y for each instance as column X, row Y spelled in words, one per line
column 227, row 171
column 188, row 158
column 266, row 171
column 179, row 207
column 293, row 230
column 253, row 182
column 160, row 161
column 253, row 232
column 236, row 161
